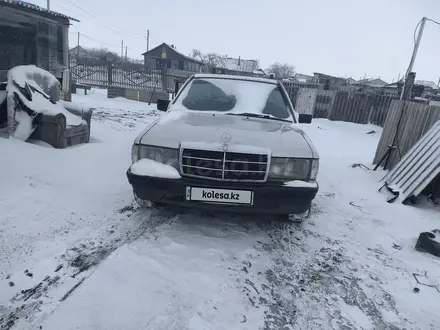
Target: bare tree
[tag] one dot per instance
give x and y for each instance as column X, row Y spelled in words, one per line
column 210, row 60
column 103, row 52
column 100, row 52
column 281, row 71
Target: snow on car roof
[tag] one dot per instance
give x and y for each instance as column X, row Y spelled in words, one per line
column 227, row 76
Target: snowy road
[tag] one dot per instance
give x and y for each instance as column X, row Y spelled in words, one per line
column 76, row 253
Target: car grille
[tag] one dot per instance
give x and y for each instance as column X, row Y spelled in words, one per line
column 224, row 165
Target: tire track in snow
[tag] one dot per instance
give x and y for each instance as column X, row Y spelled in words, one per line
column 313, row 282
column 77, row 264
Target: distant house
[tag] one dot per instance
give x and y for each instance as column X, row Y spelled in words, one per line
column 167, row 56
column 327, row 80
column 421, row 88
column 303, row 78
column 429, row 85
column 351, row 81
column 79, row 51
column 372, row 82
column 30, row 34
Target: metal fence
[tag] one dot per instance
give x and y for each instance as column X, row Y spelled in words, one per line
column 111, row 74
column 411, row 120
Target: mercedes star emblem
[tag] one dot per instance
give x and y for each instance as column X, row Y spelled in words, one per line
column 226, row 137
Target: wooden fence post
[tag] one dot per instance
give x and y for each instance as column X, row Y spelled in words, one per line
column 407, row 88
column 109, row 73
column 164, row 77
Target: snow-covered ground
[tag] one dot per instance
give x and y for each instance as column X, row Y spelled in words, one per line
column 77, row 253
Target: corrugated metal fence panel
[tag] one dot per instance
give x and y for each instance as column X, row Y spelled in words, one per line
column 418, row 167
column 416, row 120
column 389, row 129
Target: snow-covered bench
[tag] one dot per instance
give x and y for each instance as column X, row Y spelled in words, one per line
column 36, row 112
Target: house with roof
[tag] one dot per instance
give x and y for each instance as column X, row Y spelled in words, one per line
column 372, row 82
column 303, row 78
column 30, row 34
column 81, row 52
column 167, row 56
column 421, row 89
column 328, row 81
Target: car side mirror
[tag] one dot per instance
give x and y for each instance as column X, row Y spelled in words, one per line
column 162, row 105
column 304, row 119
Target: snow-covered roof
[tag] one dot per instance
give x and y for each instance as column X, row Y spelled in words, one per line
column 227, row 76
column 373, row 82
column 23, row 4
column 173, row 49
column 426, row 83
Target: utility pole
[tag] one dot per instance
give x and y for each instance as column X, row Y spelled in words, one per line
column 48, row 4
column 414, row 55
column 122, row 49
column 77, row 48
column 148, row 40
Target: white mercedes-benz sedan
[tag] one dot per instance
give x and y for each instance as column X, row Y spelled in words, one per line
column 227, row 143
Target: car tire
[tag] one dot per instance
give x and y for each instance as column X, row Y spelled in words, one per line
column 142, row 203
column 146, row 204
column 296, row 218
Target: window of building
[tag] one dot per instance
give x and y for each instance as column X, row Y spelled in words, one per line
column 18, row 35
column 60, row 45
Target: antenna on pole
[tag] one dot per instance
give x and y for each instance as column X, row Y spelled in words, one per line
column 414, row 55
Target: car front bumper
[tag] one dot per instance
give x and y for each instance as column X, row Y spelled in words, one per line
column 268, row 198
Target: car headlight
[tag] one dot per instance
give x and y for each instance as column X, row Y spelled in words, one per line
column 314, row 170
column 166, row 156
column 291, row 169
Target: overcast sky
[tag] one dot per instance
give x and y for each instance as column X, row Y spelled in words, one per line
column 338, row 37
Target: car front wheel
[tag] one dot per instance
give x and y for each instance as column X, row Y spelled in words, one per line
column 146, row 204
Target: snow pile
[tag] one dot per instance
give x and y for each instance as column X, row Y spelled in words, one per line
column 148, row 167
column 38, row 101
column 249, row 96
column 81, row 255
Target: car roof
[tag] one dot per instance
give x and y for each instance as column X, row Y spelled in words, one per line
column 234, row 77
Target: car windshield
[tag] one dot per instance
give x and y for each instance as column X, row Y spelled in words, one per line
column 234, row 96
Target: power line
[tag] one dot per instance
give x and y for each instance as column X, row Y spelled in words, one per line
column 431, row 20
column 99, row 41
column 104, row 23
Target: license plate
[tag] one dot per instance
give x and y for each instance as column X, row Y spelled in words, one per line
column 224, row 196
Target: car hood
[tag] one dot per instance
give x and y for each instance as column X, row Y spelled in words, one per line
column 181, row 126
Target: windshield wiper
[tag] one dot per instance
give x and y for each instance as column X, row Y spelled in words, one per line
column 256, row 115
